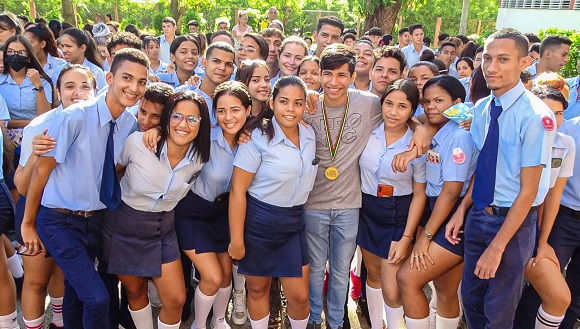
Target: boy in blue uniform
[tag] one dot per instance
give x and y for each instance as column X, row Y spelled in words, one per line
column 514, row 131
column 78, row 177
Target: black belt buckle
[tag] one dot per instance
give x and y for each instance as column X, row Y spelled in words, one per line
column 222, row 197
column 570, row 212
column 503, row 211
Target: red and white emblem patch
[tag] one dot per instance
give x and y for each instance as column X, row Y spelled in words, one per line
column 548, row 123
column 458, row 155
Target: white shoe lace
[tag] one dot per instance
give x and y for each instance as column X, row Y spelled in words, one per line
column 239, row 302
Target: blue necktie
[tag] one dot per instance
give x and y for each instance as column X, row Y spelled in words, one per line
column 110, row 194
column 484, row 185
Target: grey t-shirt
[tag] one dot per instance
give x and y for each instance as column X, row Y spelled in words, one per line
column 364, row 114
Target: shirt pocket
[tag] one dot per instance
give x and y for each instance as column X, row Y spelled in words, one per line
column 512, row 159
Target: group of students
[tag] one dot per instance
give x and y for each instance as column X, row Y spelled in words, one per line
column 253, row 160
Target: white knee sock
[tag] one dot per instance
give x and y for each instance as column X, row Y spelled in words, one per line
column 33, row 324
column 56, row 305
column 547, row 321
column 260, row 324
column 375, row 303
column 446, row 323
column 10, row 321
column 161, row 325
column 298, row 324
column 202, row 305
column 394, row 316
column 417, row 323
column 220, row 304
column 142, row 318
column 239, row 279
column 15, row 266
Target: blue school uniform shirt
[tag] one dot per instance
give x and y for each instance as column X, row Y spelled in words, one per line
column 81, row 131
column 170, row 79
column 571, row 194
column 21, row 99
column 527, row 131
column 164, row 46
column 36, row 127
column 1, row 156
column 375, row 164
column 284, row 174
column 352, row 86
column 573, row 109
column 411, row 54
column 452, row 157
column 208, row 100
column 4, row 113
column 97, row 72
column 216, row 175
column 162, row 68
column 149, row 183
column 52, row 65
column 563, row 154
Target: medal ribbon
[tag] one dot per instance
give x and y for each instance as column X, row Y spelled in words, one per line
column 333, row 147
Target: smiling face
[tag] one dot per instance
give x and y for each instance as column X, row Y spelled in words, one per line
column 127, row 85
column 396, row 110
column 247, row 49
column 502, row 65
column 435, row 101
column 310, row 74
column 182, row 133
column 231, row 114
column 149, row 114
column 259, row 85
column 289, row 106
column 219, row 66
column 290, row 58
column 75, row 86
column 335, row 84
column 186, row 57
column 463, row 69
column 364, row 58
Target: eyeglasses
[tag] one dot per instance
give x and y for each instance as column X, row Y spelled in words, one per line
column 191, row 120
column 249, row 50
column 10, row 52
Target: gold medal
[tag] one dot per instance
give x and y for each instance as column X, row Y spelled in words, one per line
column 331, row 173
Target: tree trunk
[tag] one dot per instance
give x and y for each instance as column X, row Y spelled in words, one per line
column 177, row 13
column 384, row 17
column 68, row 12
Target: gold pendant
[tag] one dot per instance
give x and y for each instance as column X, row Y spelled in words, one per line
column 331, row 173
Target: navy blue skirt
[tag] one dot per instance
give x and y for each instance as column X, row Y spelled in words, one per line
column 275, row 240
column 439, row 237
column 382, row 220
column 138, row 242
column 202, row 225
column 6, row 208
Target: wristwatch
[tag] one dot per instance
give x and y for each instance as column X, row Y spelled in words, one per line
column 428, row 234
column 41, row 88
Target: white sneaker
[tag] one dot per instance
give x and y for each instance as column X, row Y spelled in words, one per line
column 220, row 324
column 153, row 294
column 240, row 312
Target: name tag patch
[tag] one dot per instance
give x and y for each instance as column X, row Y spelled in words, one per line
column 556, row 162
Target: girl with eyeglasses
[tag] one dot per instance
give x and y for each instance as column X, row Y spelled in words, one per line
column 251, row 46
column 45, row 48
column 139, row 239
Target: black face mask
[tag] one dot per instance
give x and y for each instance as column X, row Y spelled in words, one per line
column 16, row 62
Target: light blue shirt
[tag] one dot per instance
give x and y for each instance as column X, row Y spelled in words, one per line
column 162, row 68
column 52, row 64
column 149, row 183
column 164, row 46
column 420, row 110
column 216, row 175
column 97, row 72
column 451, row 158
column 563, row 154
column 571, row 195
column 466, row 83
column 106, row 65
column 274, row 79
column 82, row 131
column 208, row 100
column 352, row 86
column 21, row 99
column 35, row 127
column 284, row 174
column 573, row 109
column 375, row 164
column 4, row 113
column 524, row 141
column 533, row 69
column 411, row 53
column 453, row 71
column 170, row 79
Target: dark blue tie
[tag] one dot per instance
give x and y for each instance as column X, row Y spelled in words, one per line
column 110, row 194
column 484, row 185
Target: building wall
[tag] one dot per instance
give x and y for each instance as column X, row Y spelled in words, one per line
column 532, row 20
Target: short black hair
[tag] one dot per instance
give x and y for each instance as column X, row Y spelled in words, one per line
column 330, row 20
column 478, row 50
column 348, row 36
column 427, row 40
column 220, row 45
column 158, row 92
column 222, row 32
column 23, row 17
column 414, row 27
column 350, row 30
column 552, row 42
column 535, row 47
column 335, row 56
column 129, row 55
column 403, row 30
column 442, row 36
column 550, row 92
column 167, row 20
column 520, row 40
column 393, row 52
column 376, row 31
column 124, row 38
column 447, row 44
column 463, row 38
column 532, row 37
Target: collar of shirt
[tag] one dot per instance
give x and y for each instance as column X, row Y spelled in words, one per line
column 162, row 39
column 442, row 134
column 218, row 136
column 510, row 97
column 533, row 69
column 103, row 112
column 189, row 157
column 558, row 142
column 279, row 135
column 7, row 78
column 379, row 133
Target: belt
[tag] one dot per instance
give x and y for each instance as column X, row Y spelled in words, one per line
column 570, row 212
column 222, row 197
column 503, row 211
column 85, row 214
